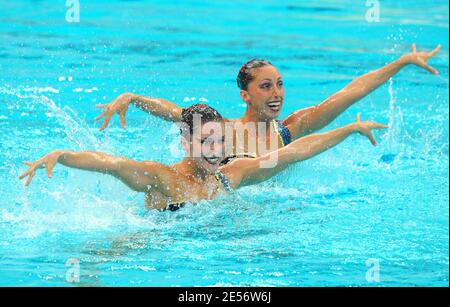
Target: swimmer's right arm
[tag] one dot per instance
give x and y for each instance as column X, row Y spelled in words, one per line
column 139, row 176
column 158, row 107
column 242, row 172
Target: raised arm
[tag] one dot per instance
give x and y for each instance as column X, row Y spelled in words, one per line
column 308, row 120
column 243, row 172
column 156, row 106
column 139, row 176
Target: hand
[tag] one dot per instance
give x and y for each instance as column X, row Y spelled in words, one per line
column 365, row 128
column 118, row 105
column 48, row 161
column 421, row 58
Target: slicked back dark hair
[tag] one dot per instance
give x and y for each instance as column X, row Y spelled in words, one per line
column 207, row 114
column 245, row 73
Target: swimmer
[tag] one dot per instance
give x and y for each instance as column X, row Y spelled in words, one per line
column 261, row 88
column 197, row 177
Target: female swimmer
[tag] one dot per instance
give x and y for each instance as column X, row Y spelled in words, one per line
column 261, row 88
column 198, row 176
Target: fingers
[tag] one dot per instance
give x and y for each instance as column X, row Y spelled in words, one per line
column 358, row 117
column 32, row 170
column 431, row 69
column 369, row 132
column 423, row 63
column 381, row 126
column 26, row 173
column 106, row 122
column 122, row 120
column 49, row 168
column 100, row 116
column 372, row 139
column 30, row 177
column 413, row 48
column 434, row 51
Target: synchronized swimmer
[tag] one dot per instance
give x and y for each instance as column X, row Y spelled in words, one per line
column 216, row 170
column 261, row 88
column 197, row 177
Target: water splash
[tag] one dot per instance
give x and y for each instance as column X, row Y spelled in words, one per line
column 75, row 128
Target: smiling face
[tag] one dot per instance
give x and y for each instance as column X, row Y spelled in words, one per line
column 265, row 93
column 207, row 146
column 202, row 130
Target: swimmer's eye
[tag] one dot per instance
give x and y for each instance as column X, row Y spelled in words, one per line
column 280, row 83
column 266, row 86
column 208, row 141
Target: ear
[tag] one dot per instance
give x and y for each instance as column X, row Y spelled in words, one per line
column 185, row 145
column 245, row 96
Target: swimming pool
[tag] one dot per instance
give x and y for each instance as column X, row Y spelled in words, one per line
column 326, row 222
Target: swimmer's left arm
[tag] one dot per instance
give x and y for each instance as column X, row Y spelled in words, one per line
column 241, row 172
column 308, row 120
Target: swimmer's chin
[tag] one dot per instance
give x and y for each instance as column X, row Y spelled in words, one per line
column 272, row 113
column 211, row 166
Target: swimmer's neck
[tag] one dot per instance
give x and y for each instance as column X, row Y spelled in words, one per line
column 189, row 168
column 252, row 116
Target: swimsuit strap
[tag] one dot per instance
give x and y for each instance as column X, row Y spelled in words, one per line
column 175, row 206
column 224, row 181
column 230, row 158
column 283, row 132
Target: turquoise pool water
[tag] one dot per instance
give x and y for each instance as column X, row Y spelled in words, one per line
column 329, row 221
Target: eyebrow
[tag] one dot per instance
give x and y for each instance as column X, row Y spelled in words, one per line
column 279, row 78
column 208, row 137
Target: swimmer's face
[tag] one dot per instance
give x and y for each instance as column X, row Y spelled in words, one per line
column 265, row 93
column 207, row 147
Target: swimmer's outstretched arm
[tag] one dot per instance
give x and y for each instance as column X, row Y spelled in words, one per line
column 241, row 172
column 308, row 120
column 139, row 176
column 156, row 106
